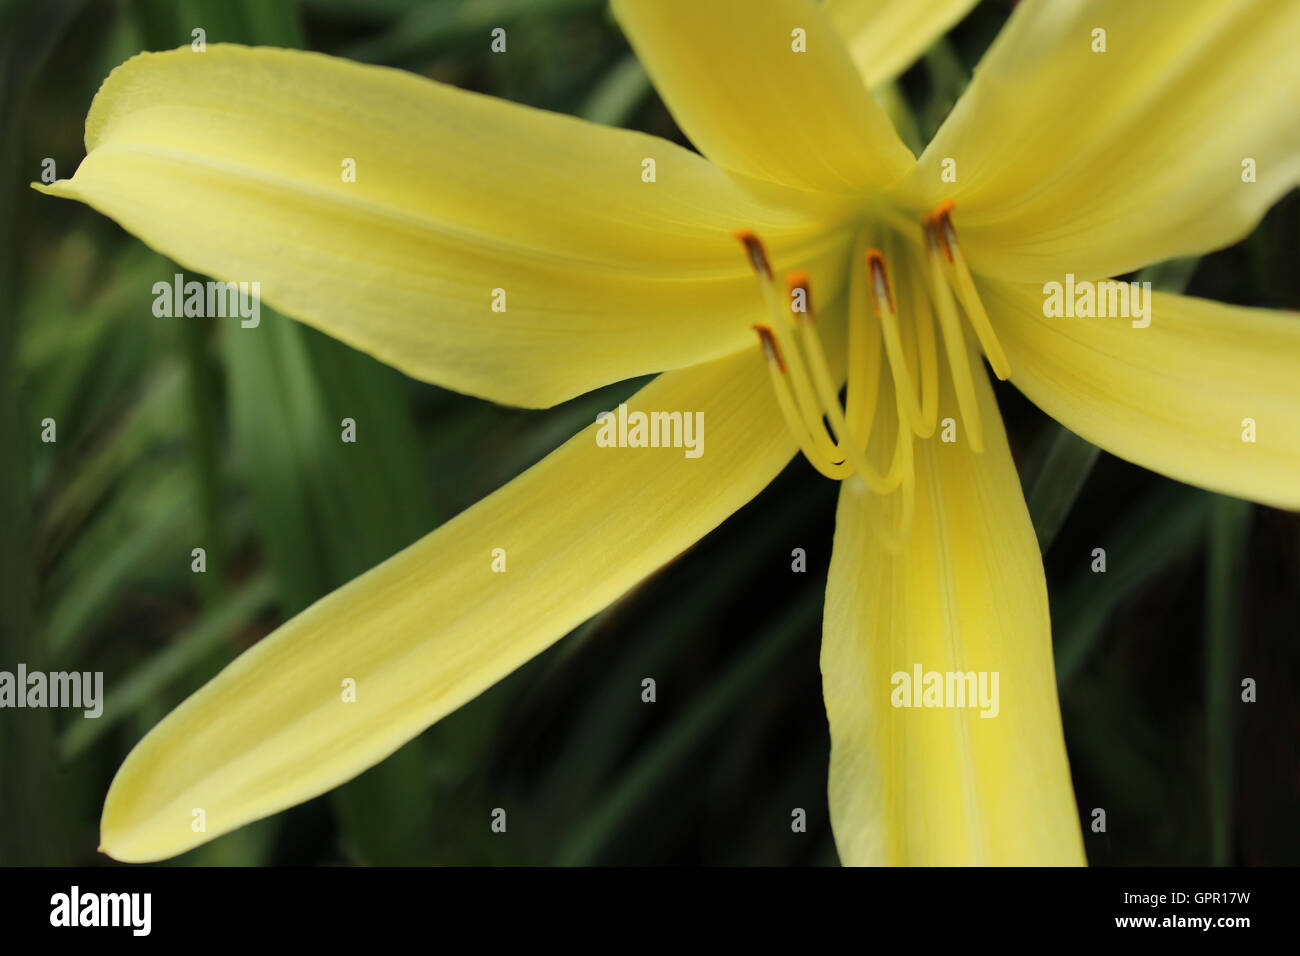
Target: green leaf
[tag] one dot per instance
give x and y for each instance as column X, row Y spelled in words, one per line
column 948, row 78
column 215, row 629
column 617, row 96
column 1172, row 275
column 1065, row 469
column 689, row 731
column 146, row 530
column 1151, row 537
column 1229, row 527
column 32, row 801
column 433, row 28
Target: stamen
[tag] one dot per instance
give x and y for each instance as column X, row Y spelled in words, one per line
column 808, row 396
column 887, row 313
column 927, row 360
column 943, row 209
column 847, row 445
column 797, row 281
column 793, row 419
column 953, row 340
column 893, row 534
column 803, row 401
column 880, row 287
column 863, row 389
column 960, row 274
column 810, row 407
column 757, row 254
column 770, row 351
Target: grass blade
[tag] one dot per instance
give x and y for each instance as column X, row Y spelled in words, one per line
column 1064, row 472
column 1148, row 539
column 216, row 628
column 1229, row 526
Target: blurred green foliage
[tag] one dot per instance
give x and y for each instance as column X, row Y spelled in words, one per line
column 173, row 434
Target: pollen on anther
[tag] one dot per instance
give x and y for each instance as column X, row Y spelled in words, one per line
column 770, row 350
column 754, row 249
column 880, row 278
column 940, row 220
column 798, row 281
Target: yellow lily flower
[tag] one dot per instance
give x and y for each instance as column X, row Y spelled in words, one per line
column 1066, row 161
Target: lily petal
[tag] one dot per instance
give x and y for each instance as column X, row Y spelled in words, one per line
column 965, row 594
column 1069, row 160
column 885, row 36
column 1175, row 396
column 731, row 74
column 234, row 161
column 433, row 626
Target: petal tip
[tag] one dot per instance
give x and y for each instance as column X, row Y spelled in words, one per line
column 60, row 189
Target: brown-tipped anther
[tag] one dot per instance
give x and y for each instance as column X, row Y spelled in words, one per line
column 757, row 254
column 770, row 350
column 930, row 236
column 941, row 221
column 880, row 280
column 943, row 234
column 796, row 282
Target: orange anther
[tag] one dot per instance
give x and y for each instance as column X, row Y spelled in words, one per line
column 770, row 350
column 797, row 281
column 754, row 249
column 941, row 221
column 880, row 278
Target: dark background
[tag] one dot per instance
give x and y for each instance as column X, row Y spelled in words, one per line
column 172, row 432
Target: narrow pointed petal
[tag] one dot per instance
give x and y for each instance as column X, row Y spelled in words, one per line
column 1208, row 394
column 966, row 593
column 1173, row 141
column 434, row 625
column 885, row 36
column 732, row 75
column 502, row 251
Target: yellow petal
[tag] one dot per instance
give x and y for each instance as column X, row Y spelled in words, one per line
column 885, row 36
column 1069, row 160
column 234, row 161
column 947, row 786
column 434, row 625
column 730, row 72
column 1177, row 397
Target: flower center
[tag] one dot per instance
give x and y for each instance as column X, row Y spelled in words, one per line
column 861, row 438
